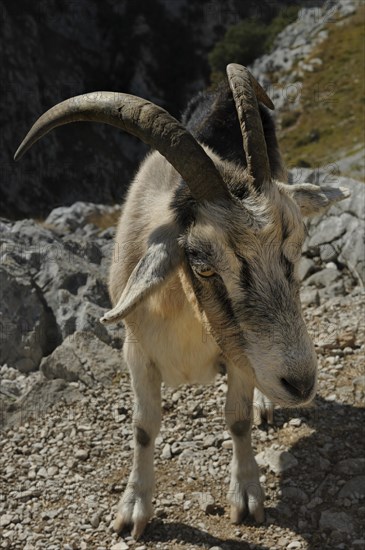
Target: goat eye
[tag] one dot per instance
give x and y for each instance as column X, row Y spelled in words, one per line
column 205, row 272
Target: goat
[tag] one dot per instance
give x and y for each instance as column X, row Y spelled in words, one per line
column 206, row 252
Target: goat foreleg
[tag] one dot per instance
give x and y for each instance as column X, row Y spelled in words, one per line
column 135, row 507
column 245, row 493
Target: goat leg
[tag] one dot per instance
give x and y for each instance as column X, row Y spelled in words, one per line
column 135, row 507
column 245, row 493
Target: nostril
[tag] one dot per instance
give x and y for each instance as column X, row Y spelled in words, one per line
column 297, row 389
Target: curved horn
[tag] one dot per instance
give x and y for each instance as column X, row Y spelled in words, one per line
column 246, row 90
column 149, row 123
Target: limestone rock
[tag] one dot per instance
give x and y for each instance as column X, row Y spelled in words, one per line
column 82, row 356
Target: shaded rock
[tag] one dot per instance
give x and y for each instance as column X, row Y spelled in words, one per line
column 28, row 330
column 100, row 162
column 351, row 466
column 294, row 494
column 337, row 521
column 82, row 356
column 355, row 488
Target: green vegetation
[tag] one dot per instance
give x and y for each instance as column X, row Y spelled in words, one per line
column 247, row 40
column 331, row 118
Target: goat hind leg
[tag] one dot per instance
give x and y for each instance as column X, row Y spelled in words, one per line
column 135, row 507
column 263, row 408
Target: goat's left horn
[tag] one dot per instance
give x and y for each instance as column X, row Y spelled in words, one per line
column 246, row 91
column 149, row 123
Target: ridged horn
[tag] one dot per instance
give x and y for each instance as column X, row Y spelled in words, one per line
column 150, row 123
column 246, row 91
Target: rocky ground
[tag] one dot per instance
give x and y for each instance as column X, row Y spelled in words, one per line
column 64, row 468
column 66, row 445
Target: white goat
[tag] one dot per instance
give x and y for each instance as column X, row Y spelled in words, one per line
column 204, row 275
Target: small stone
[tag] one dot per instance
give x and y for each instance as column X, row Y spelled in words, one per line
column 331, row 397
column 120, row 546
column 346, row 339
column 277, row 461
column 5, row 520
column 82, row 454
column 187, row 505
column 309, row 297
column 228, row 444
column 42, row 472
column 209, row 441
column 95, row 519
column 293, row 545
column 206, row 502
column 295, row 422
column 306, row 267
column 359, row 382
column 166, row 452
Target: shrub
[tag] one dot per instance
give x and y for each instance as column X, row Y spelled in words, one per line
column 247, row 40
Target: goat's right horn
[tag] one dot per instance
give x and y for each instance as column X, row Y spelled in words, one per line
column 149, row 123
column 246, row 90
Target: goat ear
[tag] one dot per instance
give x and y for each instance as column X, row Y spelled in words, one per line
column 153, row 269
column 313, row 200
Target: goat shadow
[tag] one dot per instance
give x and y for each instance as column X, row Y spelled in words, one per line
column 337, row 436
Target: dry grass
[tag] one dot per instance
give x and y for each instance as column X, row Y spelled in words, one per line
column 331, row 119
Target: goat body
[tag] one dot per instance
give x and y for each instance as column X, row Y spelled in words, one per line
column 204, row 270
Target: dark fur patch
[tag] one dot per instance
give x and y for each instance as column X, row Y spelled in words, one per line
column 184, row 206
column 142, row 437
column 212, row 119
column 241, row 428
column 288, row 267
column 245, row 274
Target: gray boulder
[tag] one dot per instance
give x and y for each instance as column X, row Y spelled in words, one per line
column 52, row 283
column 28, row 328
column 337, row 235
column 83, row 357
column 81, row 214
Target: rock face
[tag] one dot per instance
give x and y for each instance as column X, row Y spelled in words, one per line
column 337, row 237
column 54, row 50
column 53, row 289
column 288, row 58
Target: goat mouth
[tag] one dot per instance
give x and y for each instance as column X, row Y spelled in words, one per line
column 302, row 393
